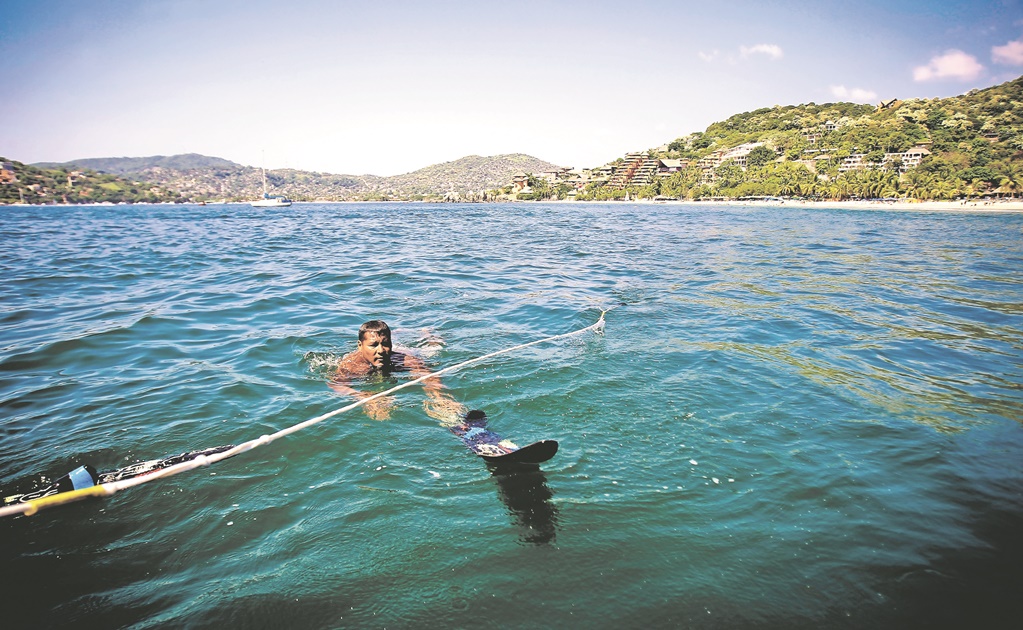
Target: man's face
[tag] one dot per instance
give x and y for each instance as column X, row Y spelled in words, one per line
column 376, row 349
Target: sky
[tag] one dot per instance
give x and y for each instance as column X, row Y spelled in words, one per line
column 388, row 87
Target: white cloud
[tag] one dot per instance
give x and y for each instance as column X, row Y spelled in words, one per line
column 954, row 64
column 1011, row 53
column 771, row 50
column 853, row 94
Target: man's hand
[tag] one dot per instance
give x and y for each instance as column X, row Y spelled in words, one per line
column 447, row 411
column 379, row 409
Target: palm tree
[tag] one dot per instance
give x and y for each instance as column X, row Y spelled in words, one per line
column 840, row 189
column 1011, row 178
column 888, row 184
column 945, row 189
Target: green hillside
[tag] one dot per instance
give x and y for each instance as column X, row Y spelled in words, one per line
column 23, row 183
column 972, row 145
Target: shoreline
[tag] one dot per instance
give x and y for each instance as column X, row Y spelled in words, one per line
column 1015, row 206
column 918, row 206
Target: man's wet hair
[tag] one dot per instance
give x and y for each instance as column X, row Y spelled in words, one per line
column 374, row 326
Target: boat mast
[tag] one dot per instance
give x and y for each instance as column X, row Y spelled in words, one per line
column 263, row 167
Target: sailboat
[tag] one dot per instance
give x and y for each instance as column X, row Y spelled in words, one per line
column 268, row 200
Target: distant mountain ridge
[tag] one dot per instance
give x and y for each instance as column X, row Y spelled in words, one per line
column 126, row 165
column 204, row 177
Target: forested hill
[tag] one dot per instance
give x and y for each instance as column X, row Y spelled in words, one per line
column 137, row 165
column 972, row 145
column 472, row 173
column 992, row 116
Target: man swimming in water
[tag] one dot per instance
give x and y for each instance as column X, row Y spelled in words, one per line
column 375, row 355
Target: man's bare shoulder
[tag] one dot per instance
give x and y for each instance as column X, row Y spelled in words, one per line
column 352, row 365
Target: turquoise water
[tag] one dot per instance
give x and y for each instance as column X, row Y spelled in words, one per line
column 795, row 418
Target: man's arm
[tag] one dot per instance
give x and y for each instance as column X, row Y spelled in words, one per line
column 379, row 409
column 438, row 404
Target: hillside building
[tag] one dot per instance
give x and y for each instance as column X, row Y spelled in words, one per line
column 908, row 160
column 7, row 175
column 667, row 167
column 520, row 181
column 638, row 169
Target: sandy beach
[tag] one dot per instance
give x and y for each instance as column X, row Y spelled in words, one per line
column 918, row 206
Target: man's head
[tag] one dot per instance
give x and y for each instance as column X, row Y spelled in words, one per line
column 375, row 343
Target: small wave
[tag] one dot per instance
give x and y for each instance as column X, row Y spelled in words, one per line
column 323, row 363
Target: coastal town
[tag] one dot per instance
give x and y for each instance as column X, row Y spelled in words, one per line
column 640, row 170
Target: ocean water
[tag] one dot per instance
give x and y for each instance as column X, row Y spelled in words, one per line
column 794, row 418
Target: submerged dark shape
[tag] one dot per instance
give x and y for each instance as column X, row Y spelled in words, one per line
column 523, row 489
